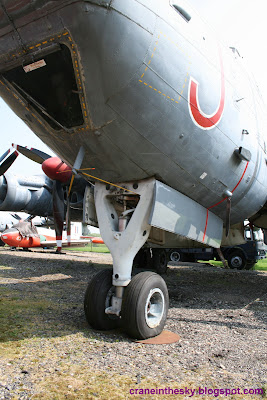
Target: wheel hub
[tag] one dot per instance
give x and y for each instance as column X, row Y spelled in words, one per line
column 154, row 307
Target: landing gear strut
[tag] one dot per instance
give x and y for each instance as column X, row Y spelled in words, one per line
column 140, row 304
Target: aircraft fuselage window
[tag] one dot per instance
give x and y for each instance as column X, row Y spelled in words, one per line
column 183, row 13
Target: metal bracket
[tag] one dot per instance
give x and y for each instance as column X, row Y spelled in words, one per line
column 124, row 244
column 115, row 309
column 174, row 212
column 243, row 154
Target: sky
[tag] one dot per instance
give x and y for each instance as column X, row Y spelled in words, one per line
column 242, row 24
column 14, row 130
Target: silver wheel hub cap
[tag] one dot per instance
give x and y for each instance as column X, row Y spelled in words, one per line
column 154, row 308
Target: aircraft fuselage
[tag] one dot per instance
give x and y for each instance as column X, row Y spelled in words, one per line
column 146, row 93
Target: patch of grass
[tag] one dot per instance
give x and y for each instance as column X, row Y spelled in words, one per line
column 57, row 369
column 80, row 382
column 77, row 383
column 212, row 262
column 74, row 382
column 21, row 317
column 260, row 266
column 95, row 248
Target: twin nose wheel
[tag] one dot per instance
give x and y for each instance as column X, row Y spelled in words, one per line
column 144, row 306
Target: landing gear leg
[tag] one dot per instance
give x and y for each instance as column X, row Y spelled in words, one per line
column 123, row 218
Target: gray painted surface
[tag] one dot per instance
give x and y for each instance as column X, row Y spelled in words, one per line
column 134, row 60
column 30, row 194
column 33, row 195
column 176, row 213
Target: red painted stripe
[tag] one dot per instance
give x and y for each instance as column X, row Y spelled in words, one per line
column 207, row 218
column 240, row 178
column 214, row 205
column 202, row 120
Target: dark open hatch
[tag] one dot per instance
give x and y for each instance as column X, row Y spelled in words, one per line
column 52, row 87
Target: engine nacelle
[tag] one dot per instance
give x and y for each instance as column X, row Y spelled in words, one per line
column 30, row 194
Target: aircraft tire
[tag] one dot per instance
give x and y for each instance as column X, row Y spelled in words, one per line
column 237, row 260
column 160, row 261
column 97, row 298
column 146, row 292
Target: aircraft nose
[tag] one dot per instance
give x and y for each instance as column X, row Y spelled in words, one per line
column 9, row 236
column 4, row 238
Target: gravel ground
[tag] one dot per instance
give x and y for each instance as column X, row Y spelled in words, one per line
column 220, row 316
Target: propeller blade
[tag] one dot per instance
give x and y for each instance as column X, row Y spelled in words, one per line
column 228, row 215
column 4, row 155
column 7, row 162
column 16, row 216
column 29, row 218
column 79, row 159
column 33, row 154
column 58, row 212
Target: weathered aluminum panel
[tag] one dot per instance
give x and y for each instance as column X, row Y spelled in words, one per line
column 136, row 13
column 177, row 213
column 136, row 92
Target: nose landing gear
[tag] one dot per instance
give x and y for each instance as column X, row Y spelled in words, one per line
column 139, row 305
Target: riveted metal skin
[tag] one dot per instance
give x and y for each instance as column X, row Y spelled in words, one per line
column 137, row 64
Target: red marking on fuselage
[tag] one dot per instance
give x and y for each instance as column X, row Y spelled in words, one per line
column 201, row 119
column 225, row 198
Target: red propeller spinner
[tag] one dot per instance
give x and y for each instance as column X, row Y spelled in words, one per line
column 56, row 169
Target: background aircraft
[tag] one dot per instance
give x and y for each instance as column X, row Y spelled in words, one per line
column 7, row 220
column 168, row 117
column 26, row 235
column 58, row 194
